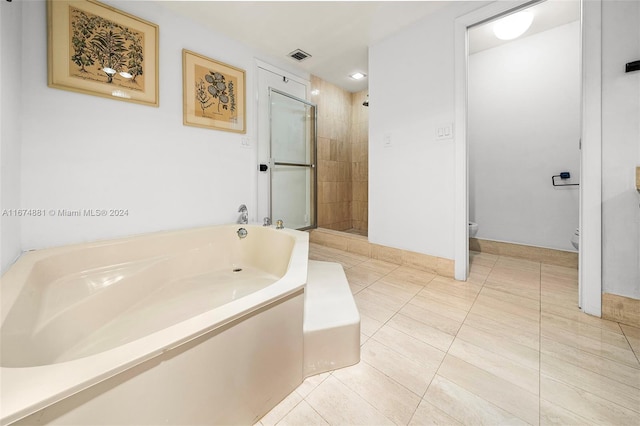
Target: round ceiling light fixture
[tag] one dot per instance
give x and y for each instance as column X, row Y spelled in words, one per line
column 513, row 26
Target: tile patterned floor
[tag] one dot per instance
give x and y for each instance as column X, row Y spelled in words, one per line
column 509, row 346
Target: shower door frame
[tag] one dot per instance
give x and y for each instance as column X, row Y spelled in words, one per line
column 590, row 253
column 312, row 165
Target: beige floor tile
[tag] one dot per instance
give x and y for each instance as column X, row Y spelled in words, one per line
column 517, row 288
column 421, row 331
column 633, row 336
column 581, row 329
column 460, row 289
column 371, row 305
column 552, row 414
column 587, row 405
column 439, row 307
column 281, row 410
column 574, row 313
column 465, row 406
column 339, row 405
column 519, row 264
column 476, row 277
column 432, row 319
column 427, row 414
column 447, row 299
column 411, row 374
column 507, row 303
column 303, row 414
column 614, row 370
column 555, row 296
column 389, row 397
column 407, row 274
column 496, row 364
column 558, row 283
column 355, row 288
column 363, row 339
column 511, row 318
column 361, row 275
column 488, row 322
column 596, row 384
column 310, row 383
column 495, row 342
column 495, row 312
column 559, row 271
column 482, row 259
column 410, row 347
column 592, row 346
column 499, row 392
column 508, row 274
column 379, row 266
column 368, row 325
column 397, row 290
column 381, row 299
column 510, row 298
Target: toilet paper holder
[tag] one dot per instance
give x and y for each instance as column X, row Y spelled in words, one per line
column 563, row 175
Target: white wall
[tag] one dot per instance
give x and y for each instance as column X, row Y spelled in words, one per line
column 620, row 148
column 10, row 102
column 87, row 152
column 411, row 89
column 411, row 92
column 523, row 128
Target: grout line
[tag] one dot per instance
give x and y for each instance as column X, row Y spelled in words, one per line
column 637, row 355
column 540, row 349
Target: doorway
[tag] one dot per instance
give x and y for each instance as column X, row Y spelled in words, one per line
column 590, row 264
column 523, row 128
column 286, row 149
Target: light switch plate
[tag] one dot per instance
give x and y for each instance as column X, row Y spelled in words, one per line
column 444, row 131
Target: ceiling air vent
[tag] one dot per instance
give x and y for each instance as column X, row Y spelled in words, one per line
column 299, row 55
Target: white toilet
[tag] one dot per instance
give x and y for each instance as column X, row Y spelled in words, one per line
column 473, row 229
column 575, row 239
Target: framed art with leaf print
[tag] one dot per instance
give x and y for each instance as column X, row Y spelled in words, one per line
column 214, row 94
column 99, row 50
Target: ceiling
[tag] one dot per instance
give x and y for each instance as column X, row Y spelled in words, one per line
column 336, row 34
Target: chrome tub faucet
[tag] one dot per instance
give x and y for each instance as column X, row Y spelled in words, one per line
column 244, row 214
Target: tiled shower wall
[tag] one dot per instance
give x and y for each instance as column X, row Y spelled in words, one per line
column 359, row 161
column 342, row 157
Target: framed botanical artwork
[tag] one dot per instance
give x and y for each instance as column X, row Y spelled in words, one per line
column 214, row 94
column 98, row 50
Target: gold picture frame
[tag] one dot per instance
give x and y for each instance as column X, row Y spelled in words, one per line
column 99, row 50
column 213, row 94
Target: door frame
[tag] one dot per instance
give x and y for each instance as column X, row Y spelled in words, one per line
column 261, row 209
column 313, row 159
column 590, row 253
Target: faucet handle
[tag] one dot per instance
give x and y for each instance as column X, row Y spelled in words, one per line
column 267, row 221
column 279, row 224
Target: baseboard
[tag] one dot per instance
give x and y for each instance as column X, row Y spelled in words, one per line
column 621, row 309
column 539, row 254
column 358, row 244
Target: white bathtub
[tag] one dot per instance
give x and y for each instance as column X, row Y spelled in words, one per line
column 187, row 327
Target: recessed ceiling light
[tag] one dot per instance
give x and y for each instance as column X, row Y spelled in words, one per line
column 315, row 92
column 513, row 26
column 358, row 76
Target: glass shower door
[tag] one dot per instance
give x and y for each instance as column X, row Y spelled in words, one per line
column 293, row 156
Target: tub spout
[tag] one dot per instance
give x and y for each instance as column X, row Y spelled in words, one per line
column 244, row 214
